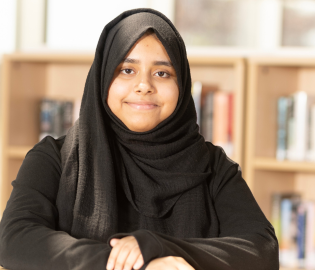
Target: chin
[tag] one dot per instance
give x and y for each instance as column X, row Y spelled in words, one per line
column 140, row 128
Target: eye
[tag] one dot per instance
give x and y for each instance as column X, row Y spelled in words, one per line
column 162, row 74
column 127, row 71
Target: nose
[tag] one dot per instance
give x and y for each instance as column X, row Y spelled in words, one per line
column 144, row 85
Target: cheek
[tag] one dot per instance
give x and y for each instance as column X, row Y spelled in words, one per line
column 116, row 93
column 171, row 97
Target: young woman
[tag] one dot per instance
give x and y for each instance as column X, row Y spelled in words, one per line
column 133, row 185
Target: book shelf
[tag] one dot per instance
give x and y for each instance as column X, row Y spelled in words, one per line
column 268, row 79
column 27, row 78
column 228, row 75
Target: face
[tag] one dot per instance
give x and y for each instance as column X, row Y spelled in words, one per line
column 144, row 89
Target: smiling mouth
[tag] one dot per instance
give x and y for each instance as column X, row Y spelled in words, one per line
column 142, row 106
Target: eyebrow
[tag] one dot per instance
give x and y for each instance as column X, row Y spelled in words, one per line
column 156, row 63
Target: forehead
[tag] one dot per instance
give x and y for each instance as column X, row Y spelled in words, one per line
column 148, row 46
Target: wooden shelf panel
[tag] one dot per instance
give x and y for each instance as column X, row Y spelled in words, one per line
column 285, row 166
column 18, row 151
column 283, row 61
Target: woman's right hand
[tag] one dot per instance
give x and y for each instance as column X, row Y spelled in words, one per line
column 125, row 254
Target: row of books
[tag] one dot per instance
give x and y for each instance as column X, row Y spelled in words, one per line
column 294, row 223
column 214, row 115
column 56, row 117
column 296, row 127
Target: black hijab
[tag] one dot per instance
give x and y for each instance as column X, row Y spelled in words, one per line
column 153, row 168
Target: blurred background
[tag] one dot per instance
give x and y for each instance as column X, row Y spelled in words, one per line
column 253, row 71
column 236, row 24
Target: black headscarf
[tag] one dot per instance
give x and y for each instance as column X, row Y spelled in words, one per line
column 154, row 168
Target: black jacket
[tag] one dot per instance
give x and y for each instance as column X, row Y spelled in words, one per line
column 242, row 238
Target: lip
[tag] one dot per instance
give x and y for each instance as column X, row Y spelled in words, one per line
column 142, row 105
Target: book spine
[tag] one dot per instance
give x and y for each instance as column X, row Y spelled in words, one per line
column 196, row 94
column 288, row 248
column 290, row 128
column 220, row 119
column 203, row 117
column 311, row 134
column 301, row 227
column 210, row 118
column 46, row 118
column 275, row 214
column 310, row 236
column 297, row 146
column 282, row 128
column 67, row 116
column 207, row 115
column 76, row 110
column 286, row 205
column 229, row 150
column 57, row 119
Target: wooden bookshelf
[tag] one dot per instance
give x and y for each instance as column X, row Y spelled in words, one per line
column 228, row 74
column 268, row 79
column 285, row 166
column 27, row 78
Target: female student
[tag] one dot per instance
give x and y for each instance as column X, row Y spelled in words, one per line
column 133, row 185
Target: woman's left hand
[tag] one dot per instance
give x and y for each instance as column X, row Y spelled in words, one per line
column 125, row 254
column 169, row 263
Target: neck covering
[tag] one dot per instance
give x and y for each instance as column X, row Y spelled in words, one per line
column 154, row 168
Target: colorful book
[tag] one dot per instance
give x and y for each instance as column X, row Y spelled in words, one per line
column 46, row 118
column 207, row 117
column 310, row 235
column 230, row 116
column 288, row 245
column 220, row 119
column 76, row 110
column 276, row 200
column 229, row 147
column 56, row 117
column 196, row 94
column 283, row 104
column 67, row 116
column 297, row 127
column 310, row 156
column 301, row 233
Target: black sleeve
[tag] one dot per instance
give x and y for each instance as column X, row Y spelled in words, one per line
column 247, row 240
column 28, row 230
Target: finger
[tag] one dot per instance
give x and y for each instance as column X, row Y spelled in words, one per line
column 114, row 241
column 132, row 258
column 123, row 254
column 139, row 262
column 113, row 256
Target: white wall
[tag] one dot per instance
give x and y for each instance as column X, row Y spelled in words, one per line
column 77, row 24
column 30, row 25
column 7, row 26
column 269, row 24
column 7, row 33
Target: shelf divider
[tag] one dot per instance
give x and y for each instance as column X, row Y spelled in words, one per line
column 285, row 165
column 18, row 151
